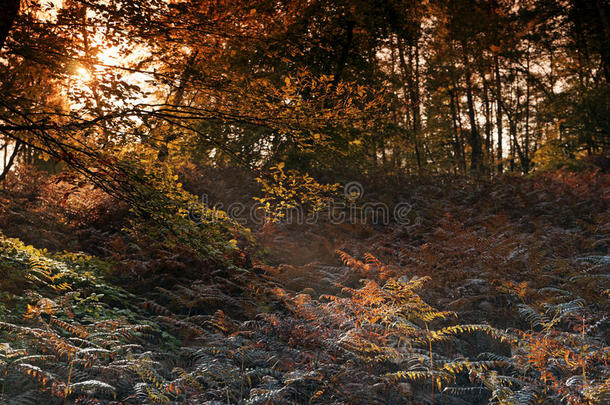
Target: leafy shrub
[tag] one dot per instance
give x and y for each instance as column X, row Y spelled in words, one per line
column 286, row 191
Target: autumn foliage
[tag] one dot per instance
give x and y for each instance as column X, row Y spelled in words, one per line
column 304, row 202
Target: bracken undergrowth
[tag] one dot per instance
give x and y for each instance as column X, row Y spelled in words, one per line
column 492, row 293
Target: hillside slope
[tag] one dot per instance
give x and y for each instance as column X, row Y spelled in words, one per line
column 492, row 293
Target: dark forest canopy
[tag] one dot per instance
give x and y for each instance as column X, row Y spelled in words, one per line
column 457, row 87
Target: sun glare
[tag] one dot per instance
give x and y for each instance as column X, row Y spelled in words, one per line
column 83, row 75
column 108, row 56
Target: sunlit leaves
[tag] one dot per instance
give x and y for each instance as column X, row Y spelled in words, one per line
column 288, row 193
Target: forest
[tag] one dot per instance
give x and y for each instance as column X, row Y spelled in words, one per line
column 304, row 202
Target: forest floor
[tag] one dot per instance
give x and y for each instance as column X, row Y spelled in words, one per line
column 492, row 292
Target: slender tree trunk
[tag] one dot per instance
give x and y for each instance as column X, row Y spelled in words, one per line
column 177, row 100
column 487, row 105
column 345, row 49
column 409, row 90
column 419, row 144
column 499, row 112
column 395, row 119
column 374, row 147
column 458, row 110
column 511, row 151
column 457, row 142
column 526, row 146
column 5, row 163
column 602, row 7
column 476, row 156
column 8, row 165
column 517, row 147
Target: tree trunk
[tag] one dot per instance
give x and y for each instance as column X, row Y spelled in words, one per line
column 526, row 141
column 345, row 49
column 517, row 148
column 487, row 105
column 476, row 156
column 460, row 127
column 605, row 47
column 498, row 111
column 170, row 136
column 416, row 106
column 457, row 142
column 409, row 88
column 11, row 161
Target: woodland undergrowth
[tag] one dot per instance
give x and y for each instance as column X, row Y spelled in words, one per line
column 494, row 292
